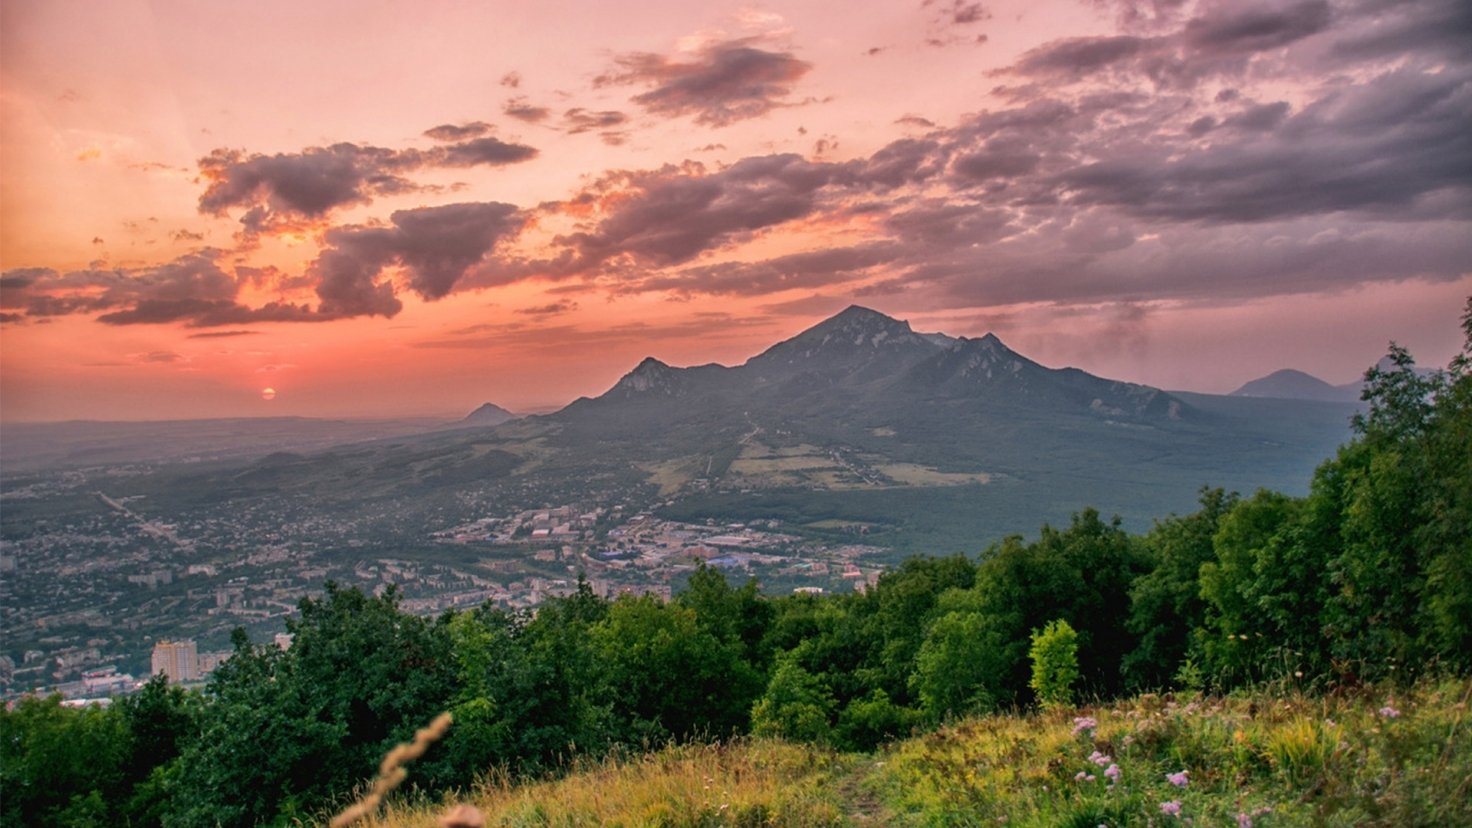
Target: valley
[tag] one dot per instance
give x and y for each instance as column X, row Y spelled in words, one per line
column 826, row 458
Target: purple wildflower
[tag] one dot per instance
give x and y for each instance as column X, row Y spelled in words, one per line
column 1389, row 712
column 1099, row 759
column 1112, row 772
column 1178, row 779
column 1244, row 821
column 1083, row 776
column 1171, row 808
column 1084, row 724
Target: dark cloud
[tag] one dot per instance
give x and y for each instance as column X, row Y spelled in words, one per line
column 222, row 334
column 435, row 246
column 204, row 313
column 161, row 357
column 276, row 189
column 798, row 270
column 1219, row 42
column 1258, row 117
column 726, row 82
column 1247, row 27
column 550, row 309
column 1434, row 29
column 670, row 216
column 458, row 132
column 1379, row 147
column 475, row 152
column 308, row 183
column 916, row 121
column 519, row 109
column 42, row 292
column 941, row 224
column 580, row 120
column 1082, row 56
column 511, row 80
column 998, row 159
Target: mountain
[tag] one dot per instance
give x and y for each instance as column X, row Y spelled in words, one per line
column 1296, row 385
column 862, row 362
column 489, row 414
column 924, row 442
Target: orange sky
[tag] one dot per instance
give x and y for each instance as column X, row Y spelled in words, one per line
column 409, row 209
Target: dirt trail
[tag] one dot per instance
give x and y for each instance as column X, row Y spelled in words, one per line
column 860, row 806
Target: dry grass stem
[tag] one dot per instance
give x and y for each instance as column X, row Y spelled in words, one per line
column 391, row 771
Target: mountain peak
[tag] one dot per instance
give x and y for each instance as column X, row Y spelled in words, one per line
column 649, row 375
column 488, row 414
column 858, row 343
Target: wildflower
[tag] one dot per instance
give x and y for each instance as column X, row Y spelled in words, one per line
column 1099, row 759
column 1171, row 808
column 1389, row 712
column 1083, row 776
column 1112, row 772
column 1084, row 724
column 1178, row 779
column 1244, row 821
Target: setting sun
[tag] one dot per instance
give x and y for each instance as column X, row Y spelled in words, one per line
column 268, row 393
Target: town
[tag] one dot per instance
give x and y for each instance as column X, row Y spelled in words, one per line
column 93, row 596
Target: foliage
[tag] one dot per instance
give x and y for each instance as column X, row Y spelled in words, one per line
column 61, row 766
column 795, row 706
column 1054, row 657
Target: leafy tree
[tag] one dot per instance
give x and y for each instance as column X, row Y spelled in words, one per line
column 61, row 766
column 161, row 719
column 795, row 705
column 1445, row 530
column 1165, row 603
column 960, row 663
column 1082, row 575
column 665, row 676
column 866, row 723
column 904, row 602
column 554, row 699
column 736, row 617
column 1054, row 657
column 1238, row 637
column 294, row 731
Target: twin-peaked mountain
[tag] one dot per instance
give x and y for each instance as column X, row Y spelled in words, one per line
column 863, row 364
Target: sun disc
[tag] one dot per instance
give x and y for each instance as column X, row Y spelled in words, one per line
column 268, row 393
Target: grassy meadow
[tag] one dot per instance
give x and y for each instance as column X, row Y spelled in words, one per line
column 1277, row 757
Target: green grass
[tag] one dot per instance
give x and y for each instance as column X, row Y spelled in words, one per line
column 1265, row 758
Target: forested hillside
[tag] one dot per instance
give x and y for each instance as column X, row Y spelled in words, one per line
column 1366, row 579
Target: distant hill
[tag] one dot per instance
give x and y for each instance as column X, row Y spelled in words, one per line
column 489, row 414
column 1289, row 384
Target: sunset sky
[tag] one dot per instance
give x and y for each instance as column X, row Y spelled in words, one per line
column 394, row 208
